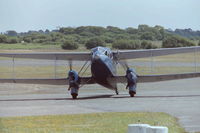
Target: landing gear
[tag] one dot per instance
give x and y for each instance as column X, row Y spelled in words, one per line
column 116, row 91
column 132, row 93
column 74, row 95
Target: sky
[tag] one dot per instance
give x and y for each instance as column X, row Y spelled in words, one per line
column 24, row 15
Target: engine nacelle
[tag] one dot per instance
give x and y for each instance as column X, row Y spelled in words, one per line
column 131, row 81
column 74, row 82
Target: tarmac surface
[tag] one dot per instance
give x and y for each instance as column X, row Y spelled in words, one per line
column 180, row 98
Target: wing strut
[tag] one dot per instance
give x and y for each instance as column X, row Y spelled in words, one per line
column 83, row 67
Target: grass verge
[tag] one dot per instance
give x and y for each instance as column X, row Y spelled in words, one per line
column 29, row 46
column 86, row 123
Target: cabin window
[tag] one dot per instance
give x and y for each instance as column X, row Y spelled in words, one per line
column 106, row 53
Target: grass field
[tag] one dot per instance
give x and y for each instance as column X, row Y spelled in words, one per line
column 28, row 46
column 86, row 123
column 61, row 72
column 35, row 46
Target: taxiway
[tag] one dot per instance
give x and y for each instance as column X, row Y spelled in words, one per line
column 180, row 98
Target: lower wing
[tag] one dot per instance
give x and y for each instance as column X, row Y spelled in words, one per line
column 156, row 78
column 89, row 80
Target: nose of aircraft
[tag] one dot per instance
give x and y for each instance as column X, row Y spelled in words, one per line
column 95, row 56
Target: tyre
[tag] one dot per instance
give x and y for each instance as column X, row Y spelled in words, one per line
column 74, row 95
column 132, row 93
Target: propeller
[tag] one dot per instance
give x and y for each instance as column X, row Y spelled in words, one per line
column 124, row 64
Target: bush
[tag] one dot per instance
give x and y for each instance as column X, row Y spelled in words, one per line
column 94, row 42
column 70, row 45
column 3, row 38
column 12, row 40
column 27, row 39
column 199, row 43
column 176, row 41
column 126, row 44
column 86, row 34
column 56, row 37
column 147, row 36
column 148, row 45
column 107, row 39
column 82, row 40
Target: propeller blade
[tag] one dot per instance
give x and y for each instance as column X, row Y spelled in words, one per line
column 124, row 64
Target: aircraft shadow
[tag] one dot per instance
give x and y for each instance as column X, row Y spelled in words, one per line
column 96, row 97
column 49, row 99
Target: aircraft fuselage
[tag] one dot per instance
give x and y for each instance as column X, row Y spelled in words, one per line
column 103, row 66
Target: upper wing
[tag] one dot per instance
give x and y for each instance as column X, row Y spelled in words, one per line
column 51, row 56
column 132, row 54
column 61, row 81
column 156, row 78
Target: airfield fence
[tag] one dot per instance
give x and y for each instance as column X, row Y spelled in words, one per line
column 32, row 68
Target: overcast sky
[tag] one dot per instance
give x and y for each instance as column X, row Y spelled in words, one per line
column 24, row 15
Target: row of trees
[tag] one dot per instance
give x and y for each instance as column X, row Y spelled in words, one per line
column 169, row 42
column 189, row 33
column 110, row 33
column 176, row 41
column 52, row 38
column 83, row 33
column 91, row 36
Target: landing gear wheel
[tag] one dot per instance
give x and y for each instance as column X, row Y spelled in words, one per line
column 74, row 95
column 132, row 93
column 116, row 91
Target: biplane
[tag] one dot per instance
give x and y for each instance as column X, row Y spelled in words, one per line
column 103, row 68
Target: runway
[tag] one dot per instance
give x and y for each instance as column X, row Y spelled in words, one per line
column 180, row 98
